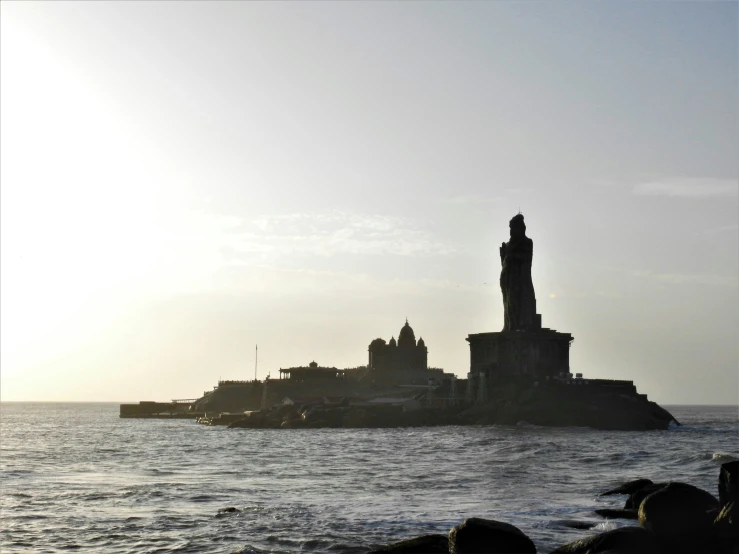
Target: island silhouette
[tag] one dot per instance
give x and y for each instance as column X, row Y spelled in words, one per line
column 520, row 374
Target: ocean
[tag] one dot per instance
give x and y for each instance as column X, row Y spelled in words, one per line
column 75, row 477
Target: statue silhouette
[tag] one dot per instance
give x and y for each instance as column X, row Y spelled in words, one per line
column 519, row 301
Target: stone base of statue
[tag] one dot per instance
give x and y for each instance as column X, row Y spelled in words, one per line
column 535, row 353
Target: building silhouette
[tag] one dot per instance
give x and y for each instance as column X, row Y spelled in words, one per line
column 404, row 355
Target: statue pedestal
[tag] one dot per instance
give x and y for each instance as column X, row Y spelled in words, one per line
column 537, row 353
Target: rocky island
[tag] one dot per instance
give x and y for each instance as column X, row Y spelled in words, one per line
column 519, row 374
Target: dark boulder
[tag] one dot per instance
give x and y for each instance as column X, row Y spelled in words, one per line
column 625, row 540
column 617, row 514
column 728, row 483
column 635, row 498
column 487, row 536
column 223, row 512
column 678, row 515
column 426, row 544
column 278, row 413
column 323, row 417
column 312, row 414
column 253, row 420
column 629, row 487
column 574, row 524
column 726, row 529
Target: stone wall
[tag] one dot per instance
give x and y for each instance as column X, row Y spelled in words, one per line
column 537, row 353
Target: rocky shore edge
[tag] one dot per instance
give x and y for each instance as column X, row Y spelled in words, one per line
column 604, row 412
column 344, row 415
column 672, row 517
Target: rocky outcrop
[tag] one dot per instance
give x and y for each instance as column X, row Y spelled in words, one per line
column 487, row 536
column 629, row 487
column 728, row 483
column 225, row 512
column 560, row 406
column 725, row 529
column 343, row 415
column 234, row 398
column 674, row 518
column 635, row 498
column 681, row 518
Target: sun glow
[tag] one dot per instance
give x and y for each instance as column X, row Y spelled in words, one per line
column 85, row 227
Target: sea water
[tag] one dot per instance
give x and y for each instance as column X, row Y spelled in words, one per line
column 76, row 477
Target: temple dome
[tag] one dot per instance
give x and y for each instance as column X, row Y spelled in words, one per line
column 421, row 343
column 407, row 337
column 392, row 342
column 377, row 344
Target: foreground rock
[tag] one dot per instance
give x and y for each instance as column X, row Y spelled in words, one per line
column 725, row 529
column 679, row 517
column 487, row 536
column 637, row 497
column 674, row 518
column 728, row 483
column 426, row 544
column 626, row 540
column 629, row 487
column 617, row 514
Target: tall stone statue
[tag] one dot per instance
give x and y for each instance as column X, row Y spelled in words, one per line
column 519, row 302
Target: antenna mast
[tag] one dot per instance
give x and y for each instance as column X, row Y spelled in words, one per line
column 256, row 359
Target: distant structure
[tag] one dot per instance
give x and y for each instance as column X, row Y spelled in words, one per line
column 523, row 347
column 311, row 373
column 402, row 363
column 405, row 354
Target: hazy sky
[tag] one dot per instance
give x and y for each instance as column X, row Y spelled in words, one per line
column 184, row 180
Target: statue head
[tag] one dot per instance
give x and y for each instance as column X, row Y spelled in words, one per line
column 517, row 226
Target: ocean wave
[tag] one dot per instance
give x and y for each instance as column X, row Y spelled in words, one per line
column 326, row 491
column 722, row 458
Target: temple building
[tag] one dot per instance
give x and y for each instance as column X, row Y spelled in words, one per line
column 405, row 354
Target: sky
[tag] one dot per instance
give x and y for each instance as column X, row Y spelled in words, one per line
column 183, row 181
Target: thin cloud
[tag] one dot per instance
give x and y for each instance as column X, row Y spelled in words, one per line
column 269, row 237
column 688, row 187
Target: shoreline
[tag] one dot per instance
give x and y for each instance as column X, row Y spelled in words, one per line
column 670, row 518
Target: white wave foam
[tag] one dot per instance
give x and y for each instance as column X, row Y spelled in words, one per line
column 722, row 457
column 604, row 526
